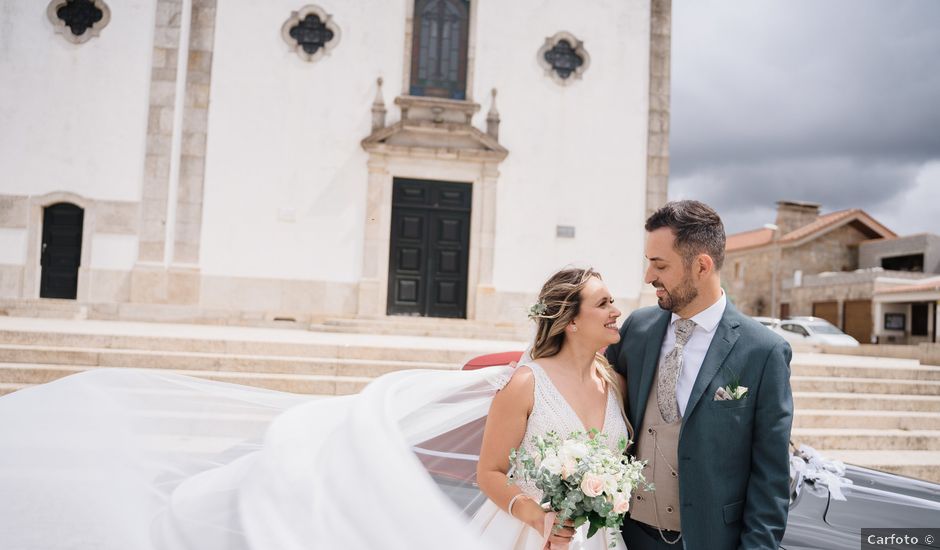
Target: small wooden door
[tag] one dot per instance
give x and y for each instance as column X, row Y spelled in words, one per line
column 429, row 249
column 61, row 252
column 828, row 311
column 858, row 320
column 920, row 323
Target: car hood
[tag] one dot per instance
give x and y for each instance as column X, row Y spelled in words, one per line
column 836, row 339
column 832, row 502
column 894, row 500
column 884, row 481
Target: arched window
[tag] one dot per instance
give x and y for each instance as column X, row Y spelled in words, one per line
column 439, row 48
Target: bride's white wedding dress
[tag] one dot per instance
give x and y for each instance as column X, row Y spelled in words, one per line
column 118, row 459
column 550, row 413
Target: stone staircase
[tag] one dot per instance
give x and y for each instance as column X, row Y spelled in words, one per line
column 285, row 360
column 875, row 412
column 423, row 326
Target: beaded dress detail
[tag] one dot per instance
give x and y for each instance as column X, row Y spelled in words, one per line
column 551, row 413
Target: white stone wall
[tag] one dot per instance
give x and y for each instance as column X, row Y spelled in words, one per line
column 577, row 153
column 73, row 117
column 283, row 202
column 12, row 246
column 286, row 176
column 285, row 173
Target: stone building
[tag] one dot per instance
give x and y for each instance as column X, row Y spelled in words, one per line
column 245, row 160
column 843, row 266
column 800, row 242
column 908, row 312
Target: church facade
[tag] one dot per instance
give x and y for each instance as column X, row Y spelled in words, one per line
column 233, row 159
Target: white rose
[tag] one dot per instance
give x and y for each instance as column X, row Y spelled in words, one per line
column 610, row 484
column 553, row 464
column 739, row 392
column 592, row 485
column 574, row 449
column 621, row 503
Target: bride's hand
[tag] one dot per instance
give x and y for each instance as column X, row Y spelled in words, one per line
column 529, row 512
column 536, row 517
column 561, row 537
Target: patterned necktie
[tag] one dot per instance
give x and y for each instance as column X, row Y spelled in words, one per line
column 669, row 372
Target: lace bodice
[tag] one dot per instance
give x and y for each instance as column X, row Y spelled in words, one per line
column 551, row 413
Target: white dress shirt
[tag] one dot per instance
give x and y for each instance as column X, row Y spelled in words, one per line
column 694, row 352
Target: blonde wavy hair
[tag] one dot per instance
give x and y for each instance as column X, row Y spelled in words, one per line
column 559, row 303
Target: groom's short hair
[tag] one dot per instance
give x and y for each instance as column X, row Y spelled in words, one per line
column 697, row 227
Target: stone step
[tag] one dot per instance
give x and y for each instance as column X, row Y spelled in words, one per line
column 10, row 387
column 888, row 372
column 853, row 360
column 916, row 464
column 210, row 361
column 867, row 439
column 440, row 350
column 421, row 326
column 29, row 374
column 19, row 374
column 865, row 401
column 887, row 420
column 864, row 385
column 441, row 332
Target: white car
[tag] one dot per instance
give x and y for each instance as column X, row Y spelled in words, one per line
column 769, row 322
column 813, row 330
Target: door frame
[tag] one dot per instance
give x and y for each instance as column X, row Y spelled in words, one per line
column 32, row 274
column 482, row 175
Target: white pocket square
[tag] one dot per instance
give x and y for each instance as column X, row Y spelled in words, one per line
column 722, row 395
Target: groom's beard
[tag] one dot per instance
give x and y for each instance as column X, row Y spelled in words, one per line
column 678, row 297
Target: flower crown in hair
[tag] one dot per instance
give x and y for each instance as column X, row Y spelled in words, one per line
column 538, row 310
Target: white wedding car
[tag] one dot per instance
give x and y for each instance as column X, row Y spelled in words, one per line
column 813, row 330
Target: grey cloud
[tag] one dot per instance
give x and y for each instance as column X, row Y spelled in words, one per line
column 834, row 102
column 737, row 189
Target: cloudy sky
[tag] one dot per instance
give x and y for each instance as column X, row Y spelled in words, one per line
column 830, row 101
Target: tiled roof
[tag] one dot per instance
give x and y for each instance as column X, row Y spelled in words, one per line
column 821, row 223
column 927, row 286
column 764, row 236
column 748, row 239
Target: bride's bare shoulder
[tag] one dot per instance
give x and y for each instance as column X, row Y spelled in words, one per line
column 522, row 379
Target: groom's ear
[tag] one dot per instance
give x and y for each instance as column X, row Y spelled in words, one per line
column 704, row 265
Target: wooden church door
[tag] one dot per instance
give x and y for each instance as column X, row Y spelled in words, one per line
column 61, row 251
column 429, row 249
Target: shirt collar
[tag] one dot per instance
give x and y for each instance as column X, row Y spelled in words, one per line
column 709, row 318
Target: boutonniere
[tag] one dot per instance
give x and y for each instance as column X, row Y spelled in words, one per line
column 733, row 391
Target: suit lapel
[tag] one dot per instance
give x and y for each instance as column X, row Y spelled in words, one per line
column 654, row 343
column 725, row 336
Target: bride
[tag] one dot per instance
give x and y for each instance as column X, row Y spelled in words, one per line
column 565, row 387
column 116, row 459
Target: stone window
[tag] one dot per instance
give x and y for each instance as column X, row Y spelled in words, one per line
column 439, row 48
column 310, row 32
column 78, row 21
column 564, row 58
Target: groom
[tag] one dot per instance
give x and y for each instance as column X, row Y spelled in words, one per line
column 708, row 393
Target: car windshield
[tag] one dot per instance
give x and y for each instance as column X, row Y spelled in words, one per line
column 824, row 328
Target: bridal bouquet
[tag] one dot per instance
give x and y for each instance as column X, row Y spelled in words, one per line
column 581, row 478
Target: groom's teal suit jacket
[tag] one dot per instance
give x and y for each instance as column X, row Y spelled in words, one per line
column 733, row 455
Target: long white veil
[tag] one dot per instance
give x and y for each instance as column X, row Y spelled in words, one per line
column 133, row 459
